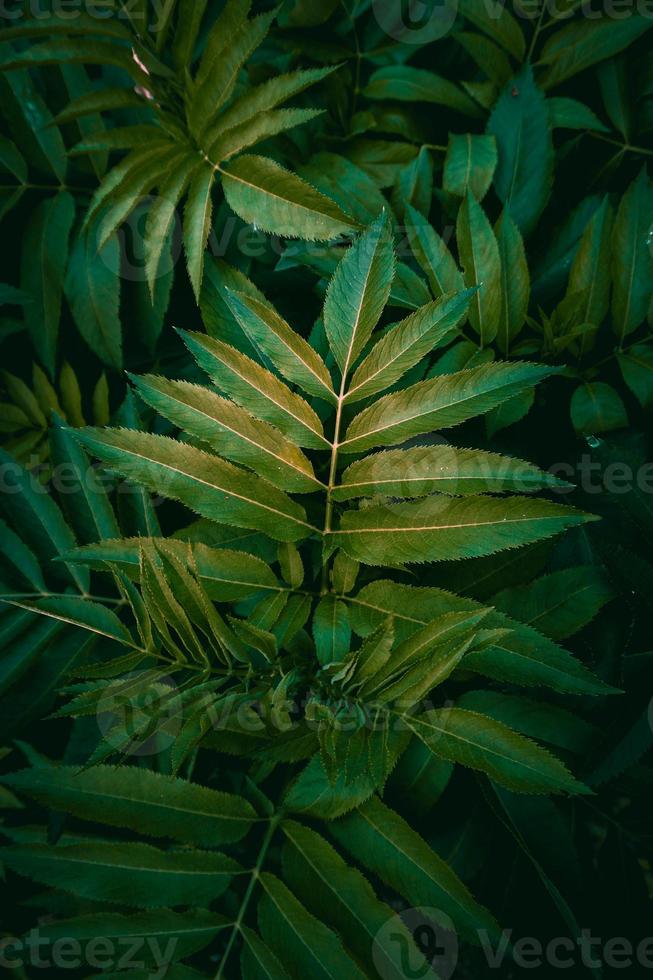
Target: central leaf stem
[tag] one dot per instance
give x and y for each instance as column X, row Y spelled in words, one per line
column 328, row 512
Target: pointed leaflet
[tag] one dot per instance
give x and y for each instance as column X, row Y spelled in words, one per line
column 558, row 604
column 443, row 529
column 579, row 45
column 230, row 431
column 40, row 521
column 223, row 145
column 358, row 293
column 469, row 165
column 342, row 896
column 77, row 611
column 93, row 293
column 331, row 630
column 590, row 272
column 496, row 21
column 257, row 961
column 406, row 344
column 423, row 470
column 269, row 94
column 85, row 500
column 43, row 267
column 230, row 43
column 597, row 407
column 522, row 656
column 206, row 484
column 480, row 742
column 162, row 213
column 140, row 800
column 404, row 83
column 381, row 841
column 288, row 351
column 632, row 269
column 129, row 874
column 266, row 195
column 479, row 254
column 303, row 942
column 225, row 575
column 257, row 390
column 521, row 124
column 515, row 281
column 197, row 224
column 181, row 933
column 432, row 255
column 438, row 403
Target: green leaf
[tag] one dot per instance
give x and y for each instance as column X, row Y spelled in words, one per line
column 181, row 933
column 331, row 630
column 140, row 800
column 43, row 268
column 515, row 281
column 224, row 144
column 274, row 91
column 232, row 40
column 77, row 611
column 207, row 484
column 127, row 874
column 439, row 403
column 85, row 500
column 632, row 268
column 93, row 292
column 423, row 470
column 162, row 213
column 403, row 83
column 341, row 896
column 497, row 21
column 479, row 742
column 384, row 843
column 636, row 366
column 558, row 604
column 432, row 255
column 469, row 165
column 571, row 114
column 521, row 656
column 257, row 390
column 288, row 351
column 358, row 293
column 590, row 272
column 405, row 344
column 439, row 529
column 225, row 575
column 264, row 194
column 230, row 431
column 257, row 961
column 414, row 185
column 597, row 407
column 303, row 942
column 521, row 124
column 577, row 46
column 479, row 253
column 535, row 719
column 197, row 224
column 40, row 520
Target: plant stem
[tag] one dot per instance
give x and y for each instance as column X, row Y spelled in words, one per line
column 624, row 147
column 269, row 834
column 328, row 513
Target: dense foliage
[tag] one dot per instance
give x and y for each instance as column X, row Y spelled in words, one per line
column 325, row 507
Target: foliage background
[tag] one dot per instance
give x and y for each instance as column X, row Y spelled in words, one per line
column 546, row 115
